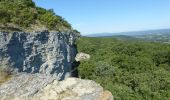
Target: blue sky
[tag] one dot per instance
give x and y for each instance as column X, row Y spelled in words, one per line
column 97, row 16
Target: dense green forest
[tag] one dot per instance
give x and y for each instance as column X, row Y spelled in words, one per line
column 131, row 70
column 24, row 13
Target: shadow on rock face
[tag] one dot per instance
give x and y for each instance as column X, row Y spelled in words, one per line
column 75, row 66
column 15, row 50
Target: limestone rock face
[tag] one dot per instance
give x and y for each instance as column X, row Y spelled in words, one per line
column 50, row 53
column 23, row 86
column 82, row 56
column 43, row 87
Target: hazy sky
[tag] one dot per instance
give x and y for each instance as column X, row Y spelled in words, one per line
column 97, row 16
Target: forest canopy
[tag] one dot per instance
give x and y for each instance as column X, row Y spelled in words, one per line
column 130, row 69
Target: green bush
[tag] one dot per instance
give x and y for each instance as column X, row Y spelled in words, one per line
column 24, row 13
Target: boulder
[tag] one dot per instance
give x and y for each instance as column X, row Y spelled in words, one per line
column 82, row 56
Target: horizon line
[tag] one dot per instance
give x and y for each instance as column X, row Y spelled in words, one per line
column 126, row 31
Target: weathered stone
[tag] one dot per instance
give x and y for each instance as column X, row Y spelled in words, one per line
column 23, row 85
column 40, row 52
column 106, row 95
column 42, row 87
column 39, row 60
column 82, row 56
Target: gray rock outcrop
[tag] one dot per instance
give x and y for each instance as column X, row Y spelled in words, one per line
column 42, row 87
column 82, row 56
column 50, row 53
column 39, row 60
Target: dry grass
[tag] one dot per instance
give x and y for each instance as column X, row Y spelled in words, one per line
column 4, row 77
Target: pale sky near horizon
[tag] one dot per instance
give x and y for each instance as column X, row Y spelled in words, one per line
column 98, row 16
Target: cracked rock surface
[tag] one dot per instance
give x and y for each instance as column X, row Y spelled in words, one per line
column 50, row 53
column 42, row 87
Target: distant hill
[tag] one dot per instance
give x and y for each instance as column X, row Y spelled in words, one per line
column 162, row 35
column 133, row 33
column 125, row 37
column 100, row 34
column 156, row 37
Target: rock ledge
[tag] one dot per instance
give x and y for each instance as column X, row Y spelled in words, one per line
column 41, row 87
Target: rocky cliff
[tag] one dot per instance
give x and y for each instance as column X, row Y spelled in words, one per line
column 45, row 52
column 38, row 60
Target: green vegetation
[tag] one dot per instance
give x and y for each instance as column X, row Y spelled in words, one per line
column 24, row 13
column 131, row 70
